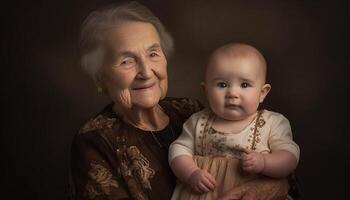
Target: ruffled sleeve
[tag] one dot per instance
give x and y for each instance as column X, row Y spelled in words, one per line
column 281, row 137
column 184, row 144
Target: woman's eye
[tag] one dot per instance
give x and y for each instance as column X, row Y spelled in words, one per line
column 222, row 84
column 153, row 54
column 127, row 62
column 245, row 85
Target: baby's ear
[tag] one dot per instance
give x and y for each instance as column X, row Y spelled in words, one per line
column 264, row 91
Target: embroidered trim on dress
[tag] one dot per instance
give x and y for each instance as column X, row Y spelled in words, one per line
column 254, row 138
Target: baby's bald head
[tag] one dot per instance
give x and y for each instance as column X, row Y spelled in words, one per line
column 239, row 51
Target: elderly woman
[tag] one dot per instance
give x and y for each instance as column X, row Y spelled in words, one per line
column 122, row 152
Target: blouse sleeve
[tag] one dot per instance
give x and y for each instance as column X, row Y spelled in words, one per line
column 281, row 137
column 92, row 175
column 184, row 144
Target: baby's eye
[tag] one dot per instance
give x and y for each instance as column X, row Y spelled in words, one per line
column 245, row 85
column 221, row 84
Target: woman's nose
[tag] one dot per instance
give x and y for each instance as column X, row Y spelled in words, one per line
column 144, row 70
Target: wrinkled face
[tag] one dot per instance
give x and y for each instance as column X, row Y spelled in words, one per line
column 134, row 72
column 235, row 86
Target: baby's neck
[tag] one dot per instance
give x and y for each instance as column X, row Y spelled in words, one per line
column 232, row 126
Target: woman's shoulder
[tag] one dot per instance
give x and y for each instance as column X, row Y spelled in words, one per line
column 105, row 119
column 182, row 105
column 97, row 131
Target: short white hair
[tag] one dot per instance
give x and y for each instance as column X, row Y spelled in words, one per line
column 98, row 22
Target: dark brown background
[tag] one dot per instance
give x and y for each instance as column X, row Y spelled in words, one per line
column 47, row 96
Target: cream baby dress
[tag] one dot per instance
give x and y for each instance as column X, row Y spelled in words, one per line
column 220, row 153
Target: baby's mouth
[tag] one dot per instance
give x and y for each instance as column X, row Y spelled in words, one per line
column 232, row 106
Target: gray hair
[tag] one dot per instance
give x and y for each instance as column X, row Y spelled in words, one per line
column 98, row 22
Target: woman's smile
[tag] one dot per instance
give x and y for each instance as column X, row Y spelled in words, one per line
column 144, row 87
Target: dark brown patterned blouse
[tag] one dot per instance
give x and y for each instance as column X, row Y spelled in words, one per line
column 114, row 160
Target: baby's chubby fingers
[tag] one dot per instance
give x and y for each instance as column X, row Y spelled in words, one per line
column 246, row 166
column 203, row 187
column 202, row 181
column 246, row 163
column 246, row 155
column 209, row 181
column 248, row 151
column 210, row 178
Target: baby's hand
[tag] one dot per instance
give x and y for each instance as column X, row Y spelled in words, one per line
column 201, row 181
column 253, row 162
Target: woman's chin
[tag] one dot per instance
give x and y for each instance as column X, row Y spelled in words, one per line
column 146, row 101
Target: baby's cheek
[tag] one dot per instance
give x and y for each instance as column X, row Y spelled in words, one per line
column 251, row 104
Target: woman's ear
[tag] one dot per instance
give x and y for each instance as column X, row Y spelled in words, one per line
column 204, row 87
column 98, row 83
column 264, row 91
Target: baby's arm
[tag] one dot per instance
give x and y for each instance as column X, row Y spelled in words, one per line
column 277, row 164
column 181, row 153
column 188, row 172
column 284, row 155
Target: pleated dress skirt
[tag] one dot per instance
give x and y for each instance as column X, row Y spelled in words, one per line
column 226, row 171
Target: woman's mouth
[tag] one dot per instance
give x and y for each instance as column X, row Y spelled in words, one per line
column 144, row 87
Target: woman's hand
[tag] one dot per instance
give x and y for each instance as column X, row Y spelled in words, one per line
column 201, row 181
column 259, row 189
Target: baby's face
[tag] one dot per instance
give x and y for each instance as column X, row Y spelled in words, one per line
column 235, row 85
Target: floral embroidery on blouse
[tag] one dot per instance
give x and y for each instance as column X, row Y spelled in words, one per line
column 220, row 145
column 213, row 142
column 101, row 182
column 136, row 171
column 140, row 167
column 100, row 122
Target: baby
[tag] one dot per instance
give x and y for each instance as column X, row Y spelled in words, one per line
column 232, row 142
